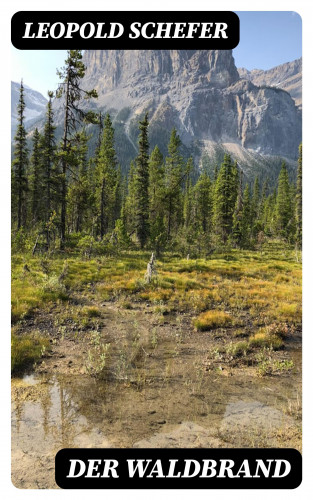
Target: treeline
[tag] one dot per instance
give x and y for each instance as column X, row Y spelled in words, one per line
column 61, row 197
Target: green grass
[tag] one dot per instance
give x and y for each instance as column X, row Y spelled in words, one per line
column 256, row 296
column 265, row 287
column 26, row 350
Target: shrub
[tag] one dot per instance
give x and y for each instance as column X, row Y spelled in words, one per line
column 263, row 339
column 238, row 349
column 91, row 311
column 212, row 319
column 26, row 349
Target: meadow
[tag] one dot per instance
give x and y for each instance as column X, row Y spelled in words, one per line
column 247, row 302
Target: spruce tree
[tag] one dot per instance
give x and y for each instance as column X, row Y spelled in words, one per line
column 225, row 195
column 283, row 210
column 50, row 188
column 106, row 179
column 72, row 93
column 156, row 196
column 188, row 194
column 269, row 214
column 174, row 167
column 142, row 184
column 237, row 235
column 129, row 204
column 36, row 180
column 299, row 201
column 118, row 195
column 19, row 167
column 246, row 221
column 203, row 202
column 255, row 205
column 79, row 191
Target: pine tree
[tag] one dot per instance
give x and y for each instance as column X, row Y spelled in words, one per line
column 72, row 93
column 142, row 184
column 299, row 201
column 106, row 179
column 19, row 166
column 36, row 181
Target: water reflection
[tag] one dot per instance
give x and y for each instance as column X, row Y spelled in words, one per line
column 171, row 408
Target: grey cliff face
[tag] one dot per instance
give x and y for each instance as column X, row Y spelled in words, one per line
column 199, row 92
column 286, row 76
column 113, row 69
column 215, row 107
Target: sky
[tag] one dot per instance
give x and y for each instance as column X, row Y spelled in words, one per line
column 267, row 39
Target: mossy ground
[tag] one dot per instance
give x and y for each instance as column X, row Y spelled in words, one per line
column 247, row 301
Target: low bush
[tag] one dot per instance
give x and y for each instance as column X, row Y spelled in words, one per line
column 26, row 350
column 212, row 319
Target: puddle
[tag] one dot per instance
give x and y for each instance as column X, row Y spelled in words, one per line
column 161, row 400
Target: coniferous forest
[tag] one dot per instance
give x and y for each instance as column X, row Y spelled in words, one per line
column 154, row 282
column 62, row 197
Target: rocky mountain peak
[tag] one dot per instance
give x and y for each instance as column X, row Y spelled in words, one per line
column 111, row 69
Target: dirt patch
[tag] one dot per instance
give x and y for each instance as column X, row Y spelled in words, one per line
column 154, row 387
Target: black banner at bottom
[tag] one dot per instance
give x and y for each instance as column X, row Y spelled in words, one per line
column 196, row 468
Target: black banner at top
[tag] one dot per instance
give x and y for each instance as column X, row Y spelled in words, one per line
column 52, row 30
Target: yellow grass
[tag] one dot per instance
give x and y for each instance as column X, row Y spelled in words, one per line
column 212, row 319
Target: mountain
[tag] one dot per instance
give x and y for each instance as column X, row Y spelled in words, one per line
column 35, row 105
column 286, row 76
column 203, row 95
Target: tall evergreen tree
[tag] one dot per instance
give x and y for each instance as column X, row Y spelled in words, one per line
column 36, row 180
column 203, row 202
column 156, row 197
column 19, row 166
column 72, row 93
column 129, row 204
column 225, row 195
column 255, row 200
column 50, row 188
column 188, row 193
column 246, row 221
column 79, row 191
column 268, row 220
column 299, row 201
column 283, row 210
column 106, row 179
column 142, row 184
column 174, row 167
column 237, row 235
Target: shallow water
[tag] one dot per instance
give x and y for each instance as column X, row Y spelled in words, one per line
column 171, row 403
